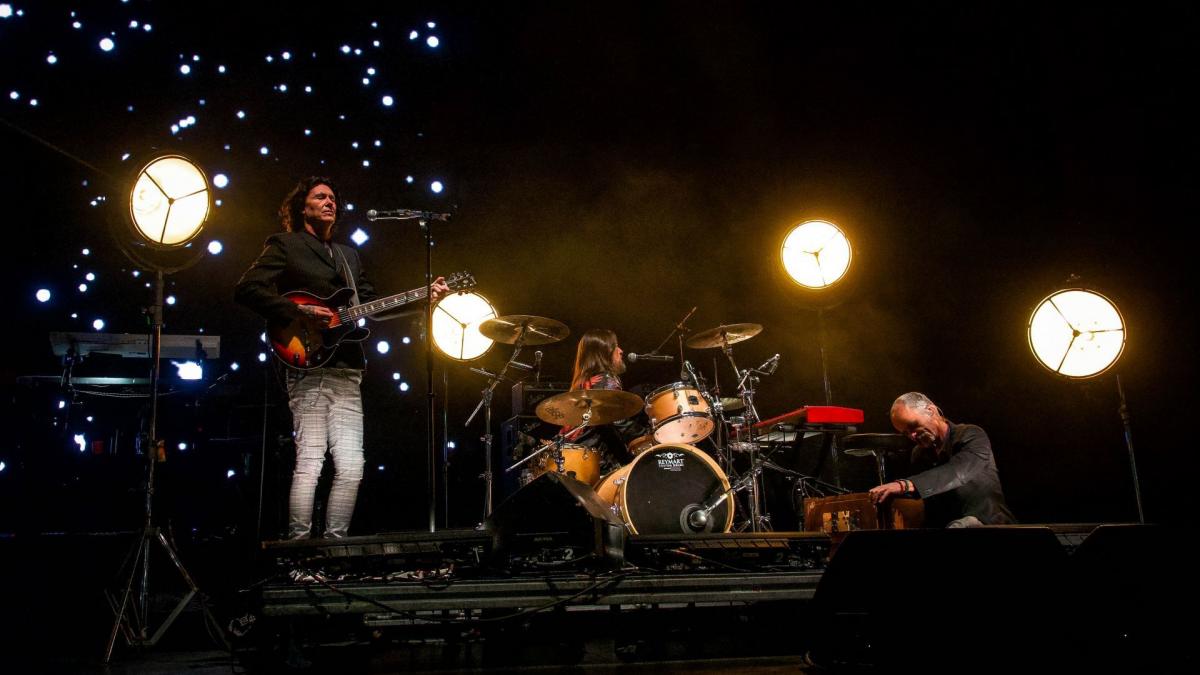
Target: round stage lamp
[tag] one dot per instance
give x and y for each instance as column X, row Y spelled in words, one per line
column 1077, row 333
column 816, row 254
column 456, row 320
column 169, row 201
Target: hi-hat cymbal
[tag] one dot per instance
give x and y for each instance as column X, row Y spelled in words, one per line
column 866, row 445
column 607, row 405
column 724, row 334
column 538, row 330
column 732, row 404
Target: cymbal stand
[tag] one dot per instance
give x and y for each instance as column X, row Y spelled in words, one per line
column 485, row 402
column 759, row 521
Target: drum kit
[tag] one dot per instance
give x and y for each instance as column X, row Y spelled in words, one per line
column 671, row 485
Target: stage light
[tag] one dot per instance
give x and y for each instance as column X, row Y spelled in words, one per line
column 185, row 69
column 182, row 445
column 451, row 445
column 170, row 299
column 380, row 467
column 83, row 288
column 262, row 357
column 220, row 180
column 403, row 386
column 90, row 276
column 432, row 41
column 241, row 114
column 43, row 295
column 3, row 466
column 383, row 347
column 456, row 320
column 169, row 201
column 230, row 473
column 413, row 35
column 366, row 163
column 1079, row 334
column 436, row 186
column 86, row 251
column 359, row 237
column 287, row 56
column 107, row 45
column 98, row 324
column 81, row 441
column 264, row 151
column 221, row 69
column 189, row 370
column 234, row 366
column 61, row 404
column 89, row 418
column 51, row 59
column 362, row 322
column 6, row 11
column 308, row 88
column 1076, row 333
column 408, row 179
column 388, row 101
column 406, row 339
column 816, row 254
column 215, row 247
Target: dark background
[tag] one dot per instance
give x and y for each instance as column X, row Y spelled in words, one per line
column 614, row 166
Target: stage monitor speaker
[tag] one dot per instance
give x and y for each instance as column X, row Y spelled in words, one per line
column 934, row 597
column 556, row 512
column 1132, row 584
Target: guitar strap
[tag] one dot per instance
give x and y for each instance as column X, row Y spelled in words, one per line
column 346, row 275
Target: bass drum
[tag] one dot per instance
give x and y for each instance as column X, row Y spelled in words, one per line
column 663, row 486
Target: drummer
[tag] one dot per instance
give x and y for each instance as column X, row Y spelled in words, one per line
column 599, row 365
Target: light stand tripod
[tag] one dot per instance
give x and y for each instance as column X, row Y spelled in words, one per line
column 131, row 610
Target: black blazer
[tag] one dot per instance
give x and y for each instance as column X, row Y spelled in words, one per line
column 298, row 261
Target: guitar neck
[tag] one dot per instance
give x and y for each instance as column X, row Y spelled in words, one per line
column 383, row 304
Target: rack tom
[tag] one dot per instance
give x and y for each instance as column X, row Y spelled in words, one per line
column 679, row 413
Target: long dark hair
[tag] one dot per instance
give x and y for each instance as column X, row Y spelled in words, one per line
column 291, row 211
column 594, row 356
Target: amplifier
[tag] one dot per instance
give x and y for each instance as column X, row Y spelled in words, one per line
column 527, row 395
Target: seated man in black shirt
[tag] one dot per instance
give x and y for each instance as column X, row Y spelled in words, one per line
column 960, row 486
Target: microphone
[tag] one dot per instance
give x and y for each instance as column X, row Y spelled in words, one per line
column 689, row 370
column 537, row 361
column 770, row 365
column 523, row 366
column 649, row 358
column 404, row 214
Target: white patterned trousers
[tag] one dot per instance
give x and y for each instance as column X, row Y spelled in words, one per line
column 326, row 406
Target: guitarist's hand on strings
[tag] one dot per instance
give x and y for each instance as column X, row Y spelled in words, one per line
column 439, row 288
column 320, row 314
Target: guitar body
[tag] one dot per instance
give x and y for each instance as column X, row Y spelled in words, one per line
column 305, row 343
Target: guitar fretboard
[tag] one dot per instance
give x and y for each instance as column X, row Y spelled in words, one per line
column 351, row 314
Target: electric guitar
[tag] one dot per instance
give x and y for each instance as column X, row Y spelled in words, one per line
column 306, row 343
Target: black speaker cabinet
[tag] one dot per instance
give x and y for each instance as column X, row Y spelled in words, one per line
column 557, row 512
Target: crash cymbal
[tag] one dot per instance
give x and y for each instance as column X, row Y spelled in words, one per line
column 607, row 405
column 866, row 445
column 538, row 329
column 724, row 334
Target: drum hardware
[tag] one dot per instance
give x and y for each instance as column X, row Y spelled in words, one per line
column 724, row 337
column 518, row 330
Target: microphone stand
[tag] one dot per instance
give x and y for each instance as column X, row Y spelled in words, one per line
column 430, row 418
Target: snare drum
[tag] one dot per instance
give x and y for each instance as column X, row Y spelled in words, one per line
column 663, row 486
column 679, row 414
column 579, row 462
column 641, row 444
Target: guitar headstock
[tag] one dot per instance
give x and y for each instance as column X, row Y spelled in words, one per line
column 460, row 281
